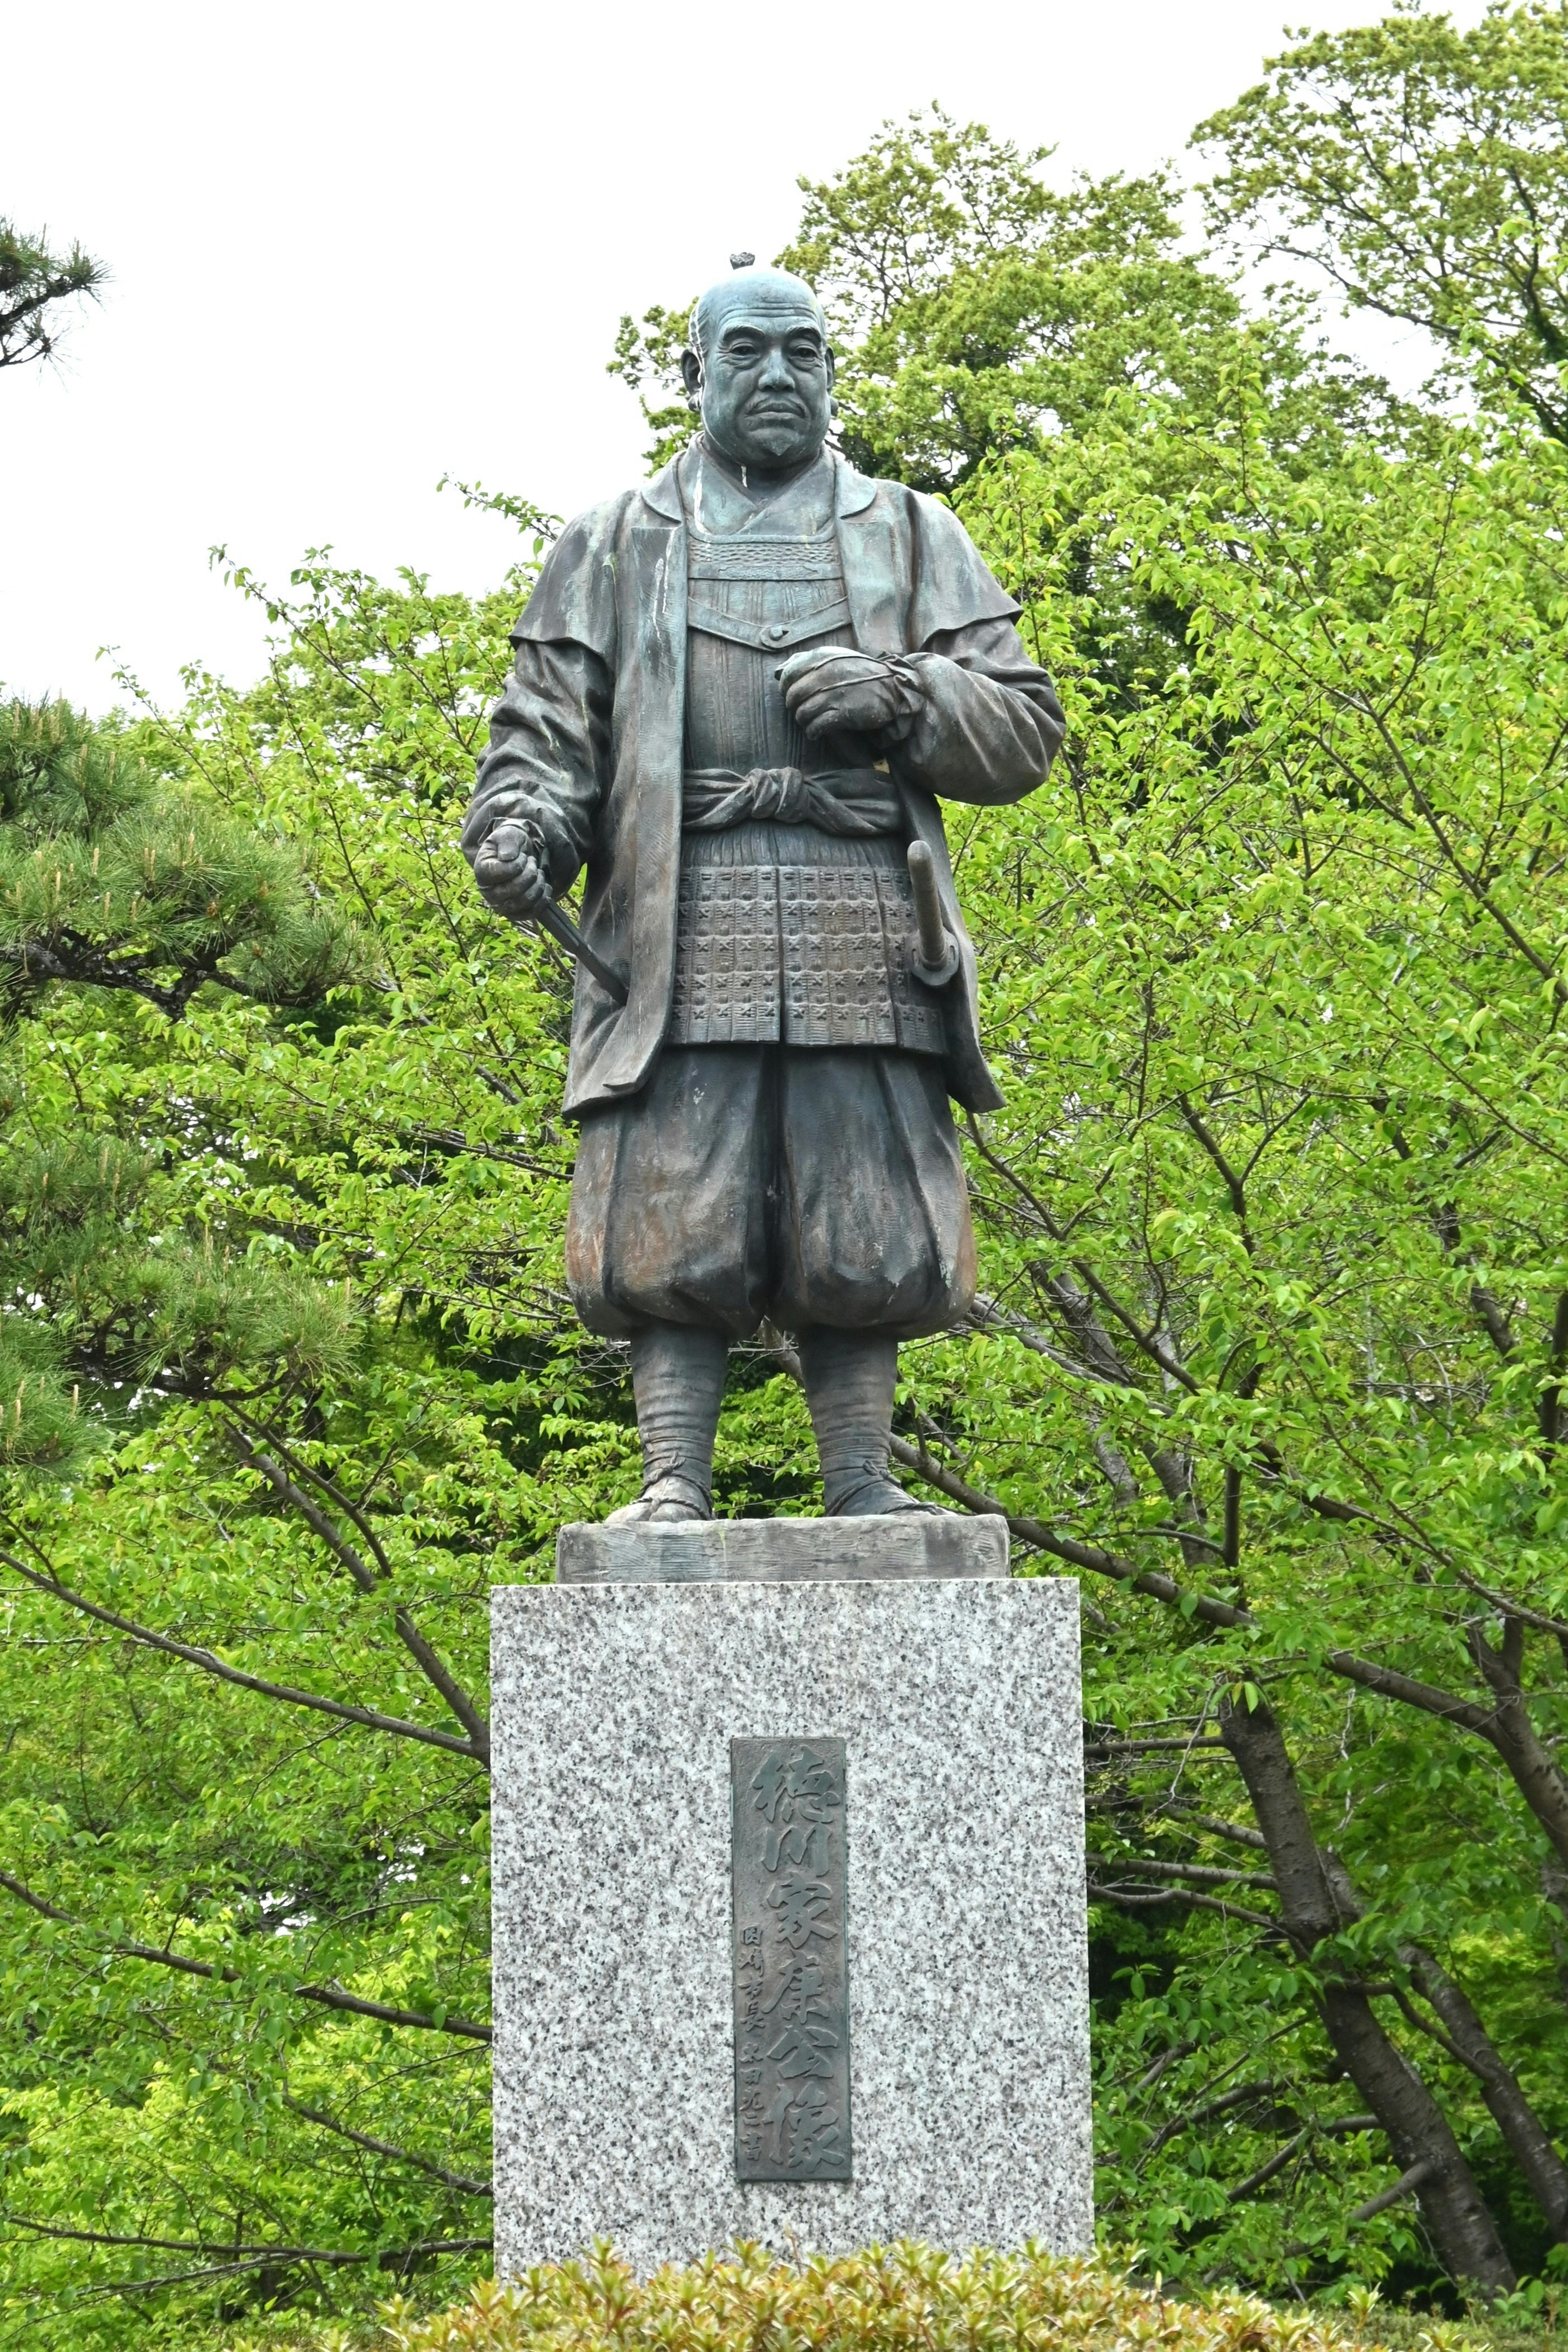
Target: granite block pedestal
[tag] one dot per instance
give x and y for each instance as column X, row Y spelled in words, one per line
column 953, row 1690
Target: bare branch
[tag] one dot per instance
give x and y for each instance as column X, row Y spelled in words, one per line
column 1231, row 1181
column 1316, row 1908
column 1416, row 2177
column 34, row 1902
column 1127, row 1902
column 332, row 1996
column 327, row 1996
column 989, row 1315
column 1549, row 1408
column 368, row 1583
column 221, row 2246
column 310, row 1511
column 1499, row 1332
column 1237, row 1833
column 1214, row 1746
column 464, row 2184
column 356, row 1567
column 369, row 1717
column 1148, row 1341
column 1197, row 1873
column 1238, row 2096
column 1507, row 1606
column 1177, row 2050
column 266, row 2258
column 1265, row 2172
column 1520, row 2126
column 1468, row 1714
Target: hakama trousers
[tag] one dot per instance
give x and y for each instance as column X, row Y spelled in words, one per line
column 810, row 1185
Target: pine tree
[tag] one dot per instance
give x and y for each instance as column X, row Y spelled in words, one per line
column 34, row 284
column 113, row 881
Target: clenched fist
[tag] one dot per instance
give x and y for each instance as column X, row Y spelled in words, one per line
column 508, row 867
column 833, row 689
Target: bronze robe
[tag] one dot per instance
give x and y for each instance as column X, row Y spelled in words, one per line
column 587, row 740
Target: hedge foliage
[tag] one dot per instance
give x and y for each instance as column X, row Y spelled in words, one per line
column 901, row 2298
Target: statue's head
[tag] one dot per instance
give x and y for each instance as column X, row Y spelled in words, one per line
column 760, row 367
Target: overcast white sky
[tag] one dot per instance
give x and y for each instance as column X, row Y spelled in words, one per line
column 356, row 248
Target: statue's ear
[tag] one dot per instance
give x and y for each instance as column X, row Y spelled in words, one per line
column 692, row 374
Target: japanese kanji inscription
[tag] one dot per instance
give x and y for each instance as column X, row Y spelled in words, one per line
column 791, row 1983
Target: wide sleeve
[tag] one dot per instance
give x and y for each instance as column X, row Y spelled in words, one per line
column 985, row 724
column 548, row 759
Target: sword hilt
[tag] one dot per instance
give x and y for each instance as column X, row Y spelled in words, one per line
column 935, row 957
column 550, row 917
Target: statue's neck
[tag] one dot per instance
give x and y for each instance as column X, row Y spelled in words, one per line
column 755, row 481
column 723, row 496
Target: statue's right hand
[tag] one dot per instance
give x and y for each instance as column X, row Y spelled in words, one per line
column 507, row 866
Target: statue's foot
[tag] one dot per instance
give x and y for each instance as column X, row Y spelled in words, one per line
column 876, row 1495
column 670, row 1501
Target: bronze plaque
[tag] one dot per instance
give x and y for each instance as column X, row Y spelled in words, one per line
column 791, row 1970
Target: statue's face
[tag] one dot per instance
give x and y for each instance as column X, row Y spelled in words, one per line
column 765, row 378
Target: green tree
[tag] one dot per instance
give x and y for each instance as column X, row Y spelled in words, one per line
column 111, row 878
column 974, row 310
column 245, row 1967
column 1188, row 524
column 1264, row 1413
column 1425, row 172
column 35, row 286
column 1281, row 1254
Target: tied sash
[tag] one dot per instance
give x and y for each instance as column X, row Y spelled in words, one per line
column 851, row 801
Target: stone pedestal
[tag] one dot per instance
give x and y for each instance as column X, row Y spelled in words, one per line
column 955, row 1692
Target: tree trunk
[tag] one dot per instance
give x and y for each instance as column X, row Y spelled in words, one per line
column 1537, row 1774
column 1521, row 2127
column 1419, row 2133
column 1515, row 2117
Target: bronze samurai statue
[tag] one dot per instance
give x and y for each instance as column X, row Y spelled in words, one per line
column 738, row 692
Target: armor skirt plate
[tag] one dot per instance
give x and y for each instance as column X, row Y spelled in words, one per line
column 807, row 944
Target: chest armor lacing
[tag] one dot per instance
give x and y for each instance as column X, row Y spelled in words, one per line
column 788, row 932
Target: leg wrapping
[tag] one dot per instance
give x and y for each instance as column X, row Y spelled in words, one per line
column 677, row 1376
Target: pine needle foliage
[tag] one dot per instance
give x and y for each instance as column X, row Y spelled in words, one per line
column 36, row 285
column 108, row 879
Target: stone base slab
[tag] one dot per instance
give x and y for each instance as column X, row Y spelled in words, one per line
column 958, row 1703
column 783, row 1551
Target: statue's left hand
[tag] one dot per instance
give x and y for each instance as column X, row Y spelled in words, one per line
column 831, row 690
